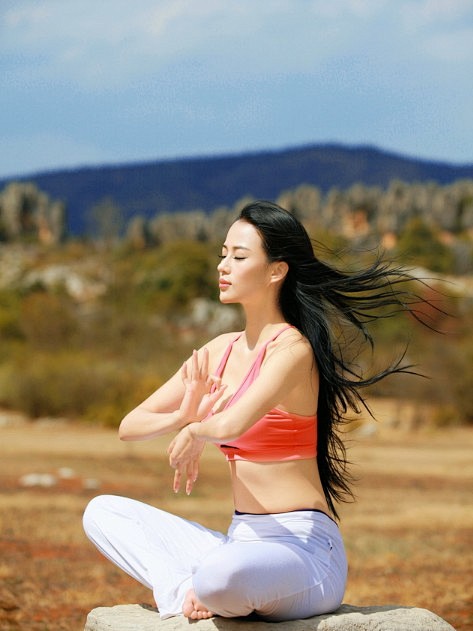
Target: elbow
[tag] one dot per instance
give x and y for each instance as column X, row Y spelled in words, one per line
column 124, row 432
column 226, row 432
column 123, row 435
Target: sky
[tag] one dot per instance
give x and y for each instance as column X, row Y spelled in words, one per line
column 94, row 82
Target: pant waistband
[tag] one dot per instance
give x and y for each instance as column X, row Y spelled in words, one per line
column 297, row 510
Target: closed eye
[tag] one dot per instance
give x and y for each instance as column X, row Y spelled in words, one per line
column 236, row 258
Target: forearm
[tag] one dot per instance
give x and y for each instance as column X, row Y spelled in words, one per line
column 142, row 424
column 215, row 430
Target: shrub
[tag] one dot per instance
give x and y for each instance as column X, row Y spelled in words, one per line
column 73, row 385
column 47, row 320
column 9, row 316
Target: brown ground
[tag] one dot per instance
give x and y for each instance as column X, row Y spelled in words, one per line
column 408, row 536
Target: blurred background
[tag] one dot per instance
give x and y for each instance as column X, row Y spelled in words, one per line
column 132, row 133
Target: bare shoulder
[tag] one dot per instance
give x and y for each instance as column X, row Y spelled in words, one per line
column 291, row 344
column 217, row 346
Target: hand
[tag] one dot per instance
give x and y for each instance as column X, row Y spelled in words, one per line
column 202, row 390
column 184, row 454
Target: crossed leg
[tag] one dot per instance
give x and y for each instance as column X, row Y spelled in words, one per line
column 158, row 549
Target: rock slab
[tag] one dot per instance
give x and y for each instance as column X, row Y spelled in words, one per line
column 346, row 618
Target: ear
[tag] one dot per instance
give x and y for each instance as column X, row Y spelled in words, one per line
column 279, row 271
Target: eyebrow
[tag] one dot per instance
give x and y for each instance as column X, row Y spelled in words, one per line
column 236, row 247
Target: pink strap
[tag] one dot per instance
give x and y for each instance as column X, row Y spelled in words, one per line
column 224, row 359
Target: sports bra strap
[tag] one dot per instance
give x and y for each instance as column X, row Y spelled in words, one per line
column 226, row 355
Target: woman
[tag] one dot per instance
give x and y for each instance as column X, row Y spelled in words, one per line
column 271, row 398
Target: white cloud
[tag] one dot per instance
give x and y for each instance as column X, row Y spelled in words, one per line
column 442, row 29
column 451, row 47
column 168, row 14
column 100, row 45
column 86, row 43
column 106, row 45
column 421, row 13
column 336, row 9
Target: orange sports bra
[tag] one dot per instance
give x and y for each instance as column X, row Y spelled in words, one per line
column 278, row 435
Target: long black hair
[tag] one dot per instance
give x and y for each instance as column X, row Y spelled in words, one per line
column 320, row 301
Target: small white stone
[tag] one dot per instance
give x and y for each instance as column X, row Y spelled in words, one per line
column 38, row 479
column 91, row 484
column 47, row 480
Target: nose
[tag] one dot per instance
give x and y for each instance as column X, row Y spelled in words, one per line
column 223, row 265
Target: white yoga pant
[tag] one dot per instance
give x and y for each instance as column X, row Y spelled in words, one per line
column 280, row 566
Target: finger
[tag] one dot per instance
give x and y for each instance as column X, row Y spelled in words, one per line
column 192, row 475
column 184, row 375
column 195, row 365
column 213, row 382
column 216, row 394
column 189, row 485
column 205, row 364
column 171, row 444
column 177, row 481
column 173, row 461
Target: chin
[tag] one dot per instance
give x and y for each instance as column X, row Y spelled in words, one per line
column 225, row 300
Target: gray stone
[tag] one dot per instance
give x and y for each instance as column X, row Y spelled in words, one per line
column 346, row 618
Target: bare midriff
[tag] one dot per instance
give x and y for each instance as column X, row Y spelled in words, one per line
column 276, row 487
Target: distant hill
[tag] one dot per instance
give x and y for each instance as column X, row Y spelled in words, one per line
column 208, row 182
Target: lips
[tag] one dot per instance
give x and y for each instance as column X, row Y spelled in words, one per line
column 223, row 284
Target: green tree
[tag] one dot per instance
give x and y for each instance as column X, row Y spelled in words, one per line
column 419, row 243
column 185, row 272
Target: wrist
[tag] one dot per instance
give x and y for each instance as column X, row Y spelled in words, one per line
column 194, row 429
column 178, row 420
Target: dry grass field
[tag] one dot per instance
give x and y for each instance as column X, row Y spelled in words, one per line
column 409, row 535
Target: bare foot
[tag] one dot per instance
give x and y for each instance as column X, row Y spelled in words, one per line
column 192, row 607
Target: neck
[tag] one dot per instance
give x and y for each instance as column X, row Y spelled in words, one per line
column 261, row 323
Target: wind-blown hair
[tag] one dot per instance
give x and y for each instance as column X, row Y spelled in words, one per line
column 320, row 301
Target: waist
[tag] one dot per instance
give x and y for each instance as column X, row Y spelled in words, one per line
column 276, row 487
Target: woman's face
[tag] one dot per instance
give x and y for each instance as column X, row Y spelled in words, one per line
column 245, row 273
